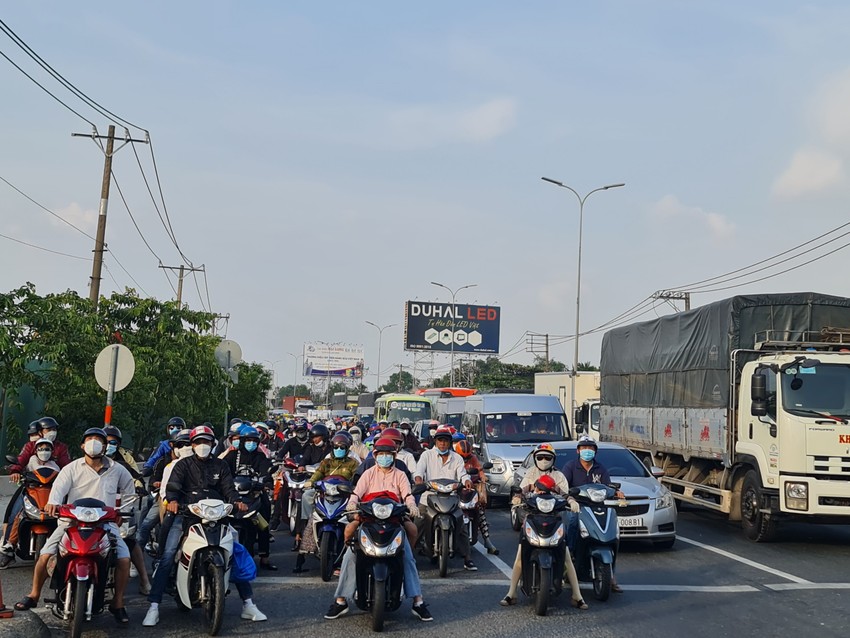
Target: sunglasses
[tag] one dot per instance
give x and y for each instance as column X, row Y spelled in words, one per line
column 177, row 446
column 113, row 442
column 340, row 447
column 544, row 457
column 44, row 449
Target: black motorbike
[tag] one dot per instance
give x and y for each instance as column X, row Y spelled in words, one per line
column 440, row 521
column 543, row 542
column 598, row 540
column 380, row 557
column 249, row 488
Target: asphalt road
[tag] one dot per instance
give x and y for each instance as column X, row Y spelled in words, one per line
column 712, row 583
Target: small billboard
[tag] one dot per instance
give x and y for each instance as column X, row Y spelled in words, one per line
column 333, row 360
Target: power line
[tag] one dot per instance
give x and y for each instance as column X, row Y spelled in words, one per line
column 44, row 208
column 48, row 250
column 133, row 279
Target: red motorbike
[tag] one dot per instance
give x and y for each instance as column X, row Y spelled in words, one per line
column 85, row 565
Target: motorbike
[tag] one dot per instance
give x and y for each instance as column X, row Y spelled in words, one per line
column 379, row 565
column 440, row 522
column 295, row 480
column 203, row 562
column 84, row 569
column 35, row 526
column 543, row 542
column 469, row 500
column 599, row 537
column 249, row 487
column 329, row 521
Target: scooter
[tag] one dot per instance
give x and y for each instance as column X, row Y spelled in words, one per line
column 599, row 537
column 250, row 490
column 543, row 542
column 329, row 521
column 295, row 480
column 203, row 562
column 85, row 565
column 35, row 525
column 438, row 536
column 380, row 555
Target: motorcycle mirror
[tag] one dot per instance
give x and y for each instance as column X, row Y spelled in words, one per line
column 419, row 488
column 11, row 459
column 574, row 491
column 487, row 466
column 473, row 471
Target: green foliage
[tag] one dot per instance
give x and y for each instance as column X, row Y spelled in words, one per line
column 301, row 390
column 248, row 394
column 487, row 374
column 401, row 382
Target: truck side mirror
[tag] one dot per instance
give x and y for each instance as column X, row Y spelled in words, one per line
column 758, row 394
column 577, row 420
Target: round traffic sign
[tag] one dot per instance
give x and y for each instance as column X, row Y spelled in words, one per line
column 124, row 364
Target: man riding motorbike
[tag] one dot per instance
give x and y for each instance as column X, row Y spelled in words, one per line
column 174, row 425
column 471, row 462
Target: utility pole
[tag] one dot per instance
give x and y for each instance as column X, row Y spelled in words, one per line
column 182, row 270
column 100, row 239
column 667, row 295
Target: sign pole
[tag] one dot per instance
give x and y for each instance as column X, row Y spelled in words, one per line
column 110, row 390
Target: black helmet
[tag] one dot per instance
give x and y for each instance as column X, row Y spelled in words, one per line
column 176, row 420
column 320, row 429
column 46, row 423
column 180, row 437
column 94, row 432
column 243, row 484
column 114, row 432
column 342, row 439
column 235, row 420
column 33, row 428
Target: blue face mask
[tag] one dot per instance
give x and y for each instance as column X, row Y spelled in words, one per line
column 250, row 446
column 384, row 460
column 339, row 453
column 235, row 444
column 587, row 455
column 443, row 452
column 111, row 448
column 172, row 431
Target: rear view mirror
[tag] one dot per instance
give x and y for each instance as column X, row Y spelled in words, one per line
column 419, row 488
column 758, row 394
column 487, row 466
column 11, row 458
column 657, row 472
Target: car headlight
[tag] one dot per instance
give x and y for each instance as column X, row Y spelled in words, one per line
column 665, row 500
column 797, row 496
column 499, row 465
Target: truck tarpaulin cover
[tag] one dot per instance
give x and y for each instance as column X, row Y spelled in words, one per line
column 683, row 360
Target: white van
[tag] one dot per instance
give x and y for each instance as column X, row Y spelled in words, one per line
column 449, row 410
column 504, row 428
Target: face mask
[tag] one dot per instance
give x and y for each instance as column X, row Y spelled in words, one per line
column 111, row 448
column 384, row 460
column 405, row 432
column 301, row 436
column 184, row 452
column 44, row 456
column 93, row 448
column 50, row 435
column 543, row 464
column 202, row 450
column 443, row 452
column 250, row 446
column 173, row 431
column 587, row 455
column 235, row 444
column 357, row 437
column 339, row 453
column 432, row 432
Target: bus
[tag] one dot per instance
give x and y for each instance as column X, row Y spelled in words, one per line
column 403, row 407
column 446, row 392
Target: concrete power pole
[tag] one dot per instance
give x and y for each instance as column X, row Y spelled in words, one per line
column 182, row 271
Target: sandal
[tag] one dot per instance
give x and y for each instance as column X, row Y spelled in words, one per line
column 120, row 615
column 26, row 603
column 507, row 601
column 579, row 604
column 616, row 588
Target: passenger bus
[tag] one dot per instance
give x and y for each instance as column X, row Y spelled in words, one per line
column 401, row 407
column 446, row 392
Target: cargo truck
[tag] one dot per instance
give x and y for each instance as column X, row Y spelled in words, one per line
column 297, row 405
column 744, row 403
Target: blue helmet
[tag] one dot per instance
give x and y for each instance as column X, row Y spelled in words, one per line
column 458, row 436
column 249, row 432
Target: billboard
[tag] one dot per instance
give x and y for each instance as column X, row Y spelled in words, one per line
column 333, row 360
column 435, row 326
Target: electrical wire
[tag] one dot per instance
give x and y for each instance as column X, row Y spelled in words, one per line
column 44, row 208
column 133, row 279
column 48, row 250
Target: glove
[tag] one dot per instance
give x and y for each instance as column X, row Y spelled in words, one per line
column 413, row 510
column 350, row 506
column 308, row 485
column 574, row 506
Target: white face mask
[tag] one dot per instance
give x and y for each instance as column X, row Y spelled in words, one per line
column 44, row 456
column 544, row 464
column 93, row 448
column 184, row 452
column 50, row 435
column 202, row 450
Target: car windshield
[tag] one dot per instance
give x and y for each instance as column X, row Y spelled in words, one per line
column 823, row 389
column 454, row 419
column 523, row 427
column 618, row 461
column 409, row 411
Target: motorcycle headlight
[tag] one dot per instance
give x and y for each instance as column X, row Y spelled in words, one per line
column 88, row 514
column 382, row 510
column 211, row 512
column 546, row 505
column 443, row 489
column 31, row 509
column 665, row 500
column 331, row 489
column 582, row 529
column 530, row 534
column 597, row 495
column 370, row 549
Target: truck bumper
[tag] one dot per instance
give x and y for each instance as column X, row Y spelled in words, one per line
column 808, row 495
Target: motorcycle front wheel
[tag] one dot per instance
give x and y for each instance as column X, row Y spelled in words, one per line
column 544, row 585
column 444, row 552
column 214, row 604
column 81, row 596
column 327, row 556
column 601, row 580
column 379, row 604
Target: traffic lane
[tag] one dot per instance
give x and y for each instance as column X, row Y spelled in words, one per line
column 817, row 553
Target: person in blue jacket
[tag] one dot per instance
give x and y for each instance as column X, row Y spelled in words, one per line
column 174, row 425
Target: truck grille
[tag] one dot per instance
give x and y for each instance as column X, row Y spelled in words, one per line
column 830, row 464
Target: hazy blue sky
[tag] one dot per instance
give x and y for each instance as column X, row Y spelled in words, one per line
column 327, row 160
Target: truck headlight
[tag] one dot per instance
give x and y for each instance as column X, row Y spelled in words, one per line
column 797, row 496
column 499, row 465
column 665, row 500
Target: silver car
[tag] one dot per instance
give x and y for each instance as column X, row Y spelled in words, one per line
column 649, row 511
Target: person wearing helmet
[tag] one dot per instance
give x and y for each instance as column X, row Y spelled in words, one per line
column 401, row 454
column 43, row 457
column 358, row 447
column 475, row 470
column 543, row 476
column 47, row 428
column 93, row 476
column 400, row 459
column 319, row 446
column 231, row 442
column 249, row 460
column 383, row 477
column 174, row 425
column 411, row 443
column 33, row 432
column 198, row 475
column 440, row 462
column 263, row 429
column 293, row 448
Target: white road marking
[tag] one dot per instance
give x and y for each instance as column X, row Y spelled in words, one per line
column 790, row 586
column 501, row 565
column 745, row 561
column 315, row 580
column 704, row 589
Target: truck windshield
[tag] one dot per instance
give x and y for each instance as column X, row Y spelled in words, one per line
column 409, row 410
column 524, row 427
column 824, row 389
column 454, row 419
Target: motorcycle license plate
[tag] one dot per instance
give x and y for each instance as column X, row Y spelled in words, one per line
column 630, row 521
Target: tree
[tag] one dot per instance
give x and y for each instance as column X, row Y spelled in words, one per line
column 586, row 366
column 400, row 382
column 301, row 390
column 248, row 394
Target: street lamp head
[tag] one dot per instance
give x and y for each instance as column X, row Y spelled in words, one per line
column 612, row 186
column 552, row 181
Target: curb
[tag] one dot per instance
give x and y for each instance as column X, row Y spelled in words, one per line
column 24, row 624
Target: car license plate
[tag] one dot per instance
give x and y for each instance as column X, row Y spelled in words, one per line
column 630, row 521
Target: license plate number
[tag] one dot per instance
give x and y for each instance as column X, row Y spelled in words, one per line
column 630, row 521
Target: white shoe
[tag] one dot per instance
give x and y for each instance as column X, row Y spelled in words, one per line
column 133, row 571
column 151, row 618
column 252, row 612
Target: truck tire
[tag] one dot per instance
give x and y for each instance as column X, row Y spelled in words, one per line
column 757, row 525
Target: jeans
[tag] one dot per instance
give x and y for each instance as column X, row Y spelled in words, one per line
column 166, row 560
column 151, row 518
column 308, row 500
column 348, row 574
column 572, row 531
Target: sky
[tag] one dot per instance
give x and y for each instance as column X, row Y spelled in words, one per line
column 326, row 161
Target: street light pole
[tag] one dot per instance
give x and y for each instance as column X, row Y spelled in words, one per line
column 380, row 339
column 581, row 201
column 295, row 358
column 454, row 293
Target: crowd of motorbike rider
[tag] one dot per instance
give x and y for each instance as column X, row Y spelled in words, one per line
column 191, row 463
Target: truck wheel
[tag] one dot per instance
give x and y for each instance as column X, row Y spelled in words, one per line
column 757, row 526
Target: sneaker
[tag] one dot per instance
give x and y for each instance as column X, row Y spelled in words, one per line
column 151, row 618
column 421, row 612
column 336, row 610
column 133, row 571
column 469, row 566
column 6, row 560
column 252, row 612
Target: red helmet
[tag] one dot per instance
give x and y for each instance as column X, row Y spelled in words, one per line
column 202, row 432
column 384, row 445
column 444, row 431
column 394, row 434
column 545, row 484
column 463, row 448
